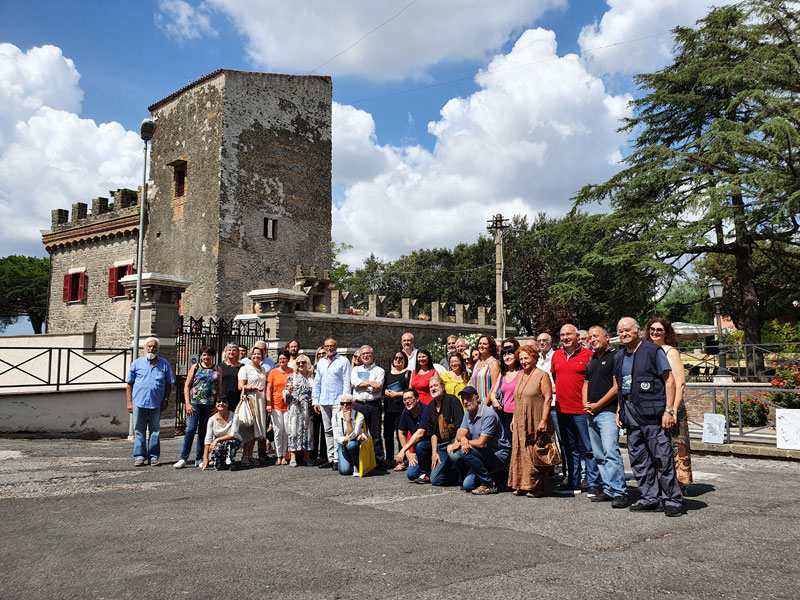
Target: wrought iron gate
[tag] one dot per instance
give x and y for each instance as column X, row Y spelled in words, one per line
column 193, row 334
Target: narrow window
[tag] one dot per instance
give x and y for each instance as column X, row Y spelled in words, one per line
column 115, row 273
column 74, row 287
column 179, row 178
column 270, row 228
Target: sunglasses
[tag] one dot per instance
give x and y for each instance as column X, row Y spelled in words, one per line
column 221, row 402
column 345, row 403
column 657, row 329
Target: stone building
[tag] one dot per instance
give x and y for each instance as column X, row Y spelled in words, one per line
column 241, row 192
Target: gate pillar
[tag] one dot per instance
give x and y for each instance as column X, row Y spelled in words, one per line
column 276, row 307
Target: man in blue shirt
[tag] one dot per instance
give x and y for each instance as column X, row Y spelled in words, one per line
column 330, row 384
column 149, row 383
column 646, row 400
column 480, row 447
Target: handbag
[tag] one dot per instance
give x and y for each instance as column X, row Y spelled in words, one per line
column 245, row 411
column 545, row 451
column 366, row 457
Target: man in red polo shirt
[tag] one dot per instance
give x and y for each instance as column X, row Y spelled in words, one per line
column 568, row 367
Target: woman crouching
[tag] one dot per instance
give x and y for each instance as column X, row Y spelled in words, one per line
column 348, row 433
column 222, row 438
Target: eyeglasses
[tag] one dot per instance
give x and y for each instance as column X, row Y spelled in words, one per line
column 345, row 403
column 657, row 329
column 398, row 358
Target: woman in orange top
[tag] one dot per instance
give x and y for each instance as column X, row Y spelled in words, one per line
column 276, row 383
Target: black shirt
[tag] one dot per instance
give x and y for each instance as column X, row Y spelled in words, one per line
column 444, row 424
column 600, row 375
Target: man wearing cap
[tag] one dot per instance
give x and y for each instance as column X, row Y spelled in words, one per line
column 149, row 381
column 481, row 446
column 445, row 414
column 646, row 400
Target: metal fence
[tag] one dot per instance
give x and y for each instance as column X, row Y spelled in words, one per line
column 731, row 400
column 742, row 362
column 193, row 334
column 26, row 367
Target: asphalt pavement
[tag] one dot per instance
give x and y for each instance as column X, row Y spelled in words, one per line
column 79, row 521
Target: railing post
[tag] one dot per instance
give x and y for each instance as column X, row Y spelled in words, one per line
column 727, row 418
column 58, row 371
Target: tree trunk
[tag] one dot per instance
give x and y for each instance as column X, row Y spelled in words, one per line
column 751, row 322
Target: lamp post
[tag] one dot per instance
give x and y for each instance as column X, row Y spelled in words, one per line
column 146, row 132
column 715, row 289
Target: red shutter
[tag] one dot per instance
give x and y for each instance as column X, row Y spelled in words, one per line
column 67, row 285
column 112, row 282
column 82, row 286
column 131, row 271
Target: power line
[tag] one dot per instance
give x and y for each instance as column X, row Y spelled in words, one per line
column 359, row 40
column 496, row 71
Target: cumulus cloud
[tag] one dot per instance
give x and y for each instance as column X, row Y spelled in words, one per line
column 180, row 20
column 50, row 157
column 424, row 34
column 539, row 128
column 626, row 21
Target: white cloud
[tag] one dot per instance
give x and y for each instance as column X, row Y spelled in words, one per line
column 50, row 157
column 629, row 20
column 181, row 20
column 539, row 128
column 424, row 34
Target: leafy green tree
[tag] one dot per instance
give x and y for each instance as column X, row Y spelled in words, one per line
column 23, row 290
column 687, row 301
column 714, row 167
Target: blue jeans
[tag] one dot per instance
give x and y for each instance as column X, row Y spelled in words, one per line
column 577, row 445
column 475, row 467
column 604, row 434
column 445, row 472
column 423, row 466
column 348, row 457
column 144, row 419
column 554, row 416
column 197, row 423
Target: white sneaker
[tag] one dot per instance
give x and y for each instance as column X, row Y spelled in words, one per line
column 198, row 463
column 180, row 464
column 356, row 473
column 227, row 460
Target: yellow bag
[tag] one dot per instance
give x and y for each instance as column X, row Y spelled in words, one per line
column 366, row 457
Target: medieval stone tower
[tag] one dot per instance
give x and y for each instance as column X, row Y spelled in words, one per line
column 240, row 196
column 241, row 166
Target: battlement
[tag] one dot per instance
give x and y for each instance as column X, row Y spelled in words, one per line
column 125, row 202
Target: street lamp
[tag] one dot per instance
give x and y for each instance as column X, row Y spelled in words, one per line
column 715, row 289
column 146, row 131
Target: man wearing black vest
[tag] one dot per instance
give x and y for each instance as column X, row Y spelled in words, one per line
column 646, row 400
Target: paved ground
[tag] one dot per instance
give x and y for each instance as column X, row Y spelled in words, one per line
column 79, row 522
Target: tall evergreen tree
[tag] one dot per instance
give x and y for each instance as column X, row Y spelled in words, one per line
column 715, row 166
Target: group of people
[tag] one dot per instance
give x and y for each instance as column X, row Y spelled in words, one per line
column 494, row 416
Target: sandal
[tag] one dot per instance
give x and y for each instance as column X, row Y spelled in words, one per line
column 400, row 468
column 293, row 463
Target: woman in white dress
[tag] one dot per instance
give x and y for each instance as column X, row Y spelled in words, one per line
column 252, row 381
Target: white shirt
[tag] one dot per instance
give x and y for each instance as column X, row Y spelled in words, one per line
column 372, row 373
column 544, row 364
column 340, row 426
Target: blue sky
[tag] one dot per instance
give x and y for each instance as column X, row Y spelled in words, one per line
column 521, row 112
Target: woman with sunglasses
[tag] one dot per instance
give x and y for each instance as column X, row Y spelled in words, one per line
column 396, row 381
column 203, row 384
column 348, row 433
column 222, row 439
column 486, row 373
column 298, row 397
column 660, row 331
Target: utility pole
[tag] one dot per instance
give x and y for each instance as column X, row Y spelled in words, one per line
column 498, row 224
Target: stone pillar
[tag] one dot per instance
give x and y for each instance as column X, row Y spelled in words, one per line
column 277, row 307
column 159, row 309
column 377, row 306
column 99, row 206
column 462, row 313
column 339, row 302
column 483, row 315
column 59, row 216
column 437, row 311
column 79, row 211
column 409, row 308
column 124, row 198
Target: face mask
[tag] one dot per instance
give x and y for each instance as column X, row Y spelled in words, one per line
column 150, row 355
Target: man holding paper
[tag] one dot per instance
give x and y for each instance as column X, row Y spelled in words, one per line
column 367, row 381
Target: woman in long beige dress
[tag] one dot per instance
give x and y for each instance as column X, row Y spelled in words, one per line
column 660, row 331
column 252, row 381
column 531, row 417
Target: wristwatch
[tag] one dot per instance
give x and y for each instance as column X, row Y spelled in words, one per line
column 670, row 411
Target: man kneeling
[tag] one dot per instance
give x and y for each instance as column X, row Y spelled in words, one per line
column 480, row 447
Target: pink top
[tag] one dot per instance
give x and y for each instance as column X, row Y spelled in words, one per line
column 507, row 389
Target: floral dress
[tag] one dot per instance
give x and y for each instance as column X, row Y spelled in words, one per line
column 299, row 401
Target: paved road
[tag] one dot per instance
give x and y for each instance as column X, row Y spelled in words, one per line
column 79, row 522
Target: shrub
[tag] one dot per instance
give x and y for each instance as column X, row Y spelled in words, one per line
column 754, row 412
column 787, row 376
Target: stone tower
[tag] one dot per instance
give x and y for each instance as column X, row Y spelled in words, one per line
column 241, row 194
